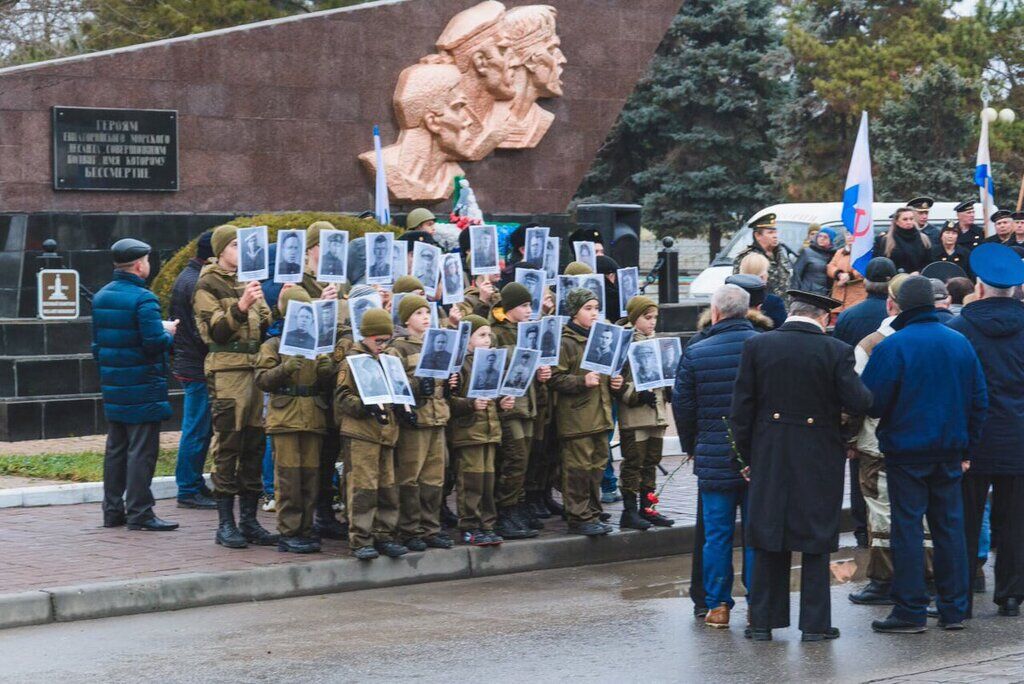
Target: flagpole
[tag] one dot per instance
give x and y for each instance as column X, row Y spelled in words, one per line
column 1020, row 195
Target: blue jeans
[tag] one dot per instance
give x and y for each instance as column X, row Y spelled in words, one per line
column 933, row 490
column 719, row 514
column 268, row 468
column 195, row 439
column 610, row 483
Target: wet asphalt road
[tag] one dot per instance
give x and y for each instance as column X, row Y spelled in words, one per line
column 626, row 622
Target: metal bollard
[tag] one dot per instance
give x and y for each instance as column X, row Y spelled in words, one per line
column 668, row 273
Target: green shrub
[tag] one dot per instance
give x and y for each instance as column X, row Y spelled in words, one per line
column 356, row 227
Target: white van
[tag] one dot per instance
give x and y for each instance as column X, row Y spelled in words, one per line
column 792, row 221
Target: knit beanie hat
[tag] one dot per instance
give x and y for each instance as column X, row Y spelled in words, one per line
column 204, row 250
column 292, row 294
column 577, row 299
column 376, row 322
column 577, row 268
column 407, row 283
column 409, row 305
column 222, row 237
column 638, row 306
column 513, row 295
column 313, row 232
column 915, row 292
column 361, row 291
column 476, row 321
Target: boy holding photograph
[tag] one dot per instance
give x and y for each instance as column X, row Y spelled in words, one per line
column 584, row 418
column 643, row 418
column 296, row 420
column 514, row 519
column 369, row 434
column 475, row 434
column 420, row 452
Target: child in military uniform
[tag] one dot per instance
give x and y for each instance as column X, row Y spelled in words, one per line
column 643, row 417
column 584, row 418
column 296, row 420
column 369, row 434
column 475, row 434
column 420, row 451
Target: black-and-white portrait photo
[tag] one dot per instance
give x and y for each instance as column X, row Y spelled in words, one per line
column 528, row 335
column 645, row 363
column 485, row 376
column 378, row 258
column 370, row 381
column 483, row 250
column 399, row 259
column 670, row 351
column 357, row 306
column 550, row 340
column 551, row 252
column 426, row 266
column 333, row 262
column 398, row 381
column 535, row 243
column 595, row 283
column 625, row 340
column 599, row 354
column 452, row 278
column 462, row 346
column 326, row 324
column 299, row 336
column 586, row 254
column 439, row 347
column 533, row 280
column 253, row 247
column 628, row 281
column 291, row 253
column 520, row 372
column 563, row 286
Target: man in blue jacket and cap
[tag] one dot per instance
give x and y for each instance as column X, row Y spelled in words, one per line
column 930, row 396
column 130, row 343
column 994, row 325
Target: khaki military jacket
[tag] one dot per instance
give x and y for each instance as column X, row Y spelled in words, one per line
column 353, row 418
column 472, row 304
column 581, row 410
column 233, row 336
column 468, row 426
column 634, row 415
column 432, row 410
column 505, row 334
column 296, row 402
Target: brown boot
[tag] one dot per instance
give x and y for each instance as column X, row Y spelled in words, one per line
column 718, row 617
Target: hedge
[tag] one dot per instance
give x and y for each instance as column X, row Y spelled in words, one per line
column 356, row 227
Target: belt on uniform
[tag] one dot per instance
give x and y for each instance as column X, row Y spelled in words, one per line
column 297, row 391
column 236, row 347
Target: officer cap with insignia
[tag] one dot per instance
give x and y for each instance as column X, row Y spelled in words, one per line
column 753, row 285
column 1001, row 214
column 950, row 227
column 819, row 301
column 997, row 265
column 921, row 203
column 127, row 250
column 586, row 235
column 1017, row 216
column 967, row 205
column 765, row 222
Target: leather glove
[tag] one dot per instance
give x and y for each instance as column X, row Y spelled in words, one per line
column 427, row 386
column 407, row 417
column 647, row 398
column 292, row 364
column 378, row 413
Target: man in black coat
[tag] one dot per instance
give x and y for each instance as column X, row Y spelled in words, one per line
column 788, row 434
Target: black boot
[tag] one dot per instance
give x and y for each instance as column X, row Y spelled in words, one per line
column 249, row 526
column 449, row 519
column 227, row 533
column 535, row 504
column 526, row 518
column 874, row 594
column 326, row 525
column 654, row 517
column 552, row 505
column 631, row 514
column 508, row 527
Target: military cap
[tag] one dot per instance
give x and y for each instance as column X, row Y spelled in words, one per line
column 638, row 306
column 412, row 236
column 753, row 285
column 763, row 222
column 1017, row 216
column 313, row 232
column 943, row 270
column 880, row 270
column 921, row 203
column 475, row 322
column 417, row 217
column 575, row 268
column 471, row 27
column 127, row 250
column 950, row 226
column 368, row 214
column 292, row 294
column 513, row 295
column 222, row 237
column 407, row 283
column 821, row 301
column 376, row 322
column 586, row 235
column 997, row 265
column 966, row 205
column 410, row 304
column 1001, row 214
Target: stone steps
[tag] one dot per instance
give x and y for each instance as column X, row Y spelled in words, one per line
column 65, row 415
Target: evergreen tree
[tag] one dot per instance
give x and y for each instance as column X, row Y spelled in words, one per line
column 691, row 139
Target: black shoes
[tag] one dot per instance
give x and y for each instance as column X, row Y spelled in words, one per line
column 874, row 594
column 951, row 626
column 630, row 518
column 509, row 527
column 893, row 625
column 526, row 518
column 228, row 534
column 198, row 501
column 1010, row 608
column 415, row 544
column 250, row 528
column 154, row 524
column 657, row 519
column 114, row 520
column 827, row 635
column 365, row 553
column 758, row 633
column 296, row 545
column 326, row 525
column 391, row 549
column 439, row 541
column 589, row 529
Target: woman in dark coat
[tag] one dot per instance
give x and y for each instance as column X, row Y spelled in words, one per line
column 809, row 270
column 908, row 247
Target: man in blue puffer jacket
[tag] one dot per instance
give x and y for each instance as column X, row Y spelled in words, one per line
column 701, row 405
column 130, row 343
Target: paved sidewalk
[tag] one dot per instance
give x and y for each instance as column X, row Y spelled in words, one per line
column 73, row 445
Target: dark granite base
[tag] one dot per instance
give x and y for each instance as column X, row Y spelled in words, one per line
column 71, row 416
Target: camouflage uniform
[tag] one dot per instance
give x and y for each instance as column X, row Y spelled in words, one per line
column 779, row 272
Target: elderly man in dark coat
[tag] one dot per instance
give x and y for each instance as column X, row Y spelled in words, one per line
column 792, row 387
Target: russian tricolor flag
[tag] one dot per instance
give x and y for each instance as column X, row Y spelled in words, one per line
column 858, row 196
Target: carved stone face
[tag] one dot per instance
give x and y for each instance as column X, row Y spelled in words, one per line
column 492, row 65
column 451, row 125
column 545, row 68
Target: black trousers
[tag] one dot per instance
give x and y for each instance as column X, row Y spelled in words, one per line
column 697, row 594
column 769, row 593
column 1008, row 516
column 128, row 467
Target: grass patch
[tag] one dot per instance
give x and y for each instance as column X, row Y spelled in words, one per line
column 84, row 467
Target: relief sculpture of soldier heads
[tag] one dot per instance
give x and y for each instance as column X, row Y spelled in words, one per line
column 477, row 94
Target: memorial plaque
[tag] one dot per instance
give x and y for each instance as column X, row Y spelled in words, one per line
column 58, row 293
column 115, row 149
